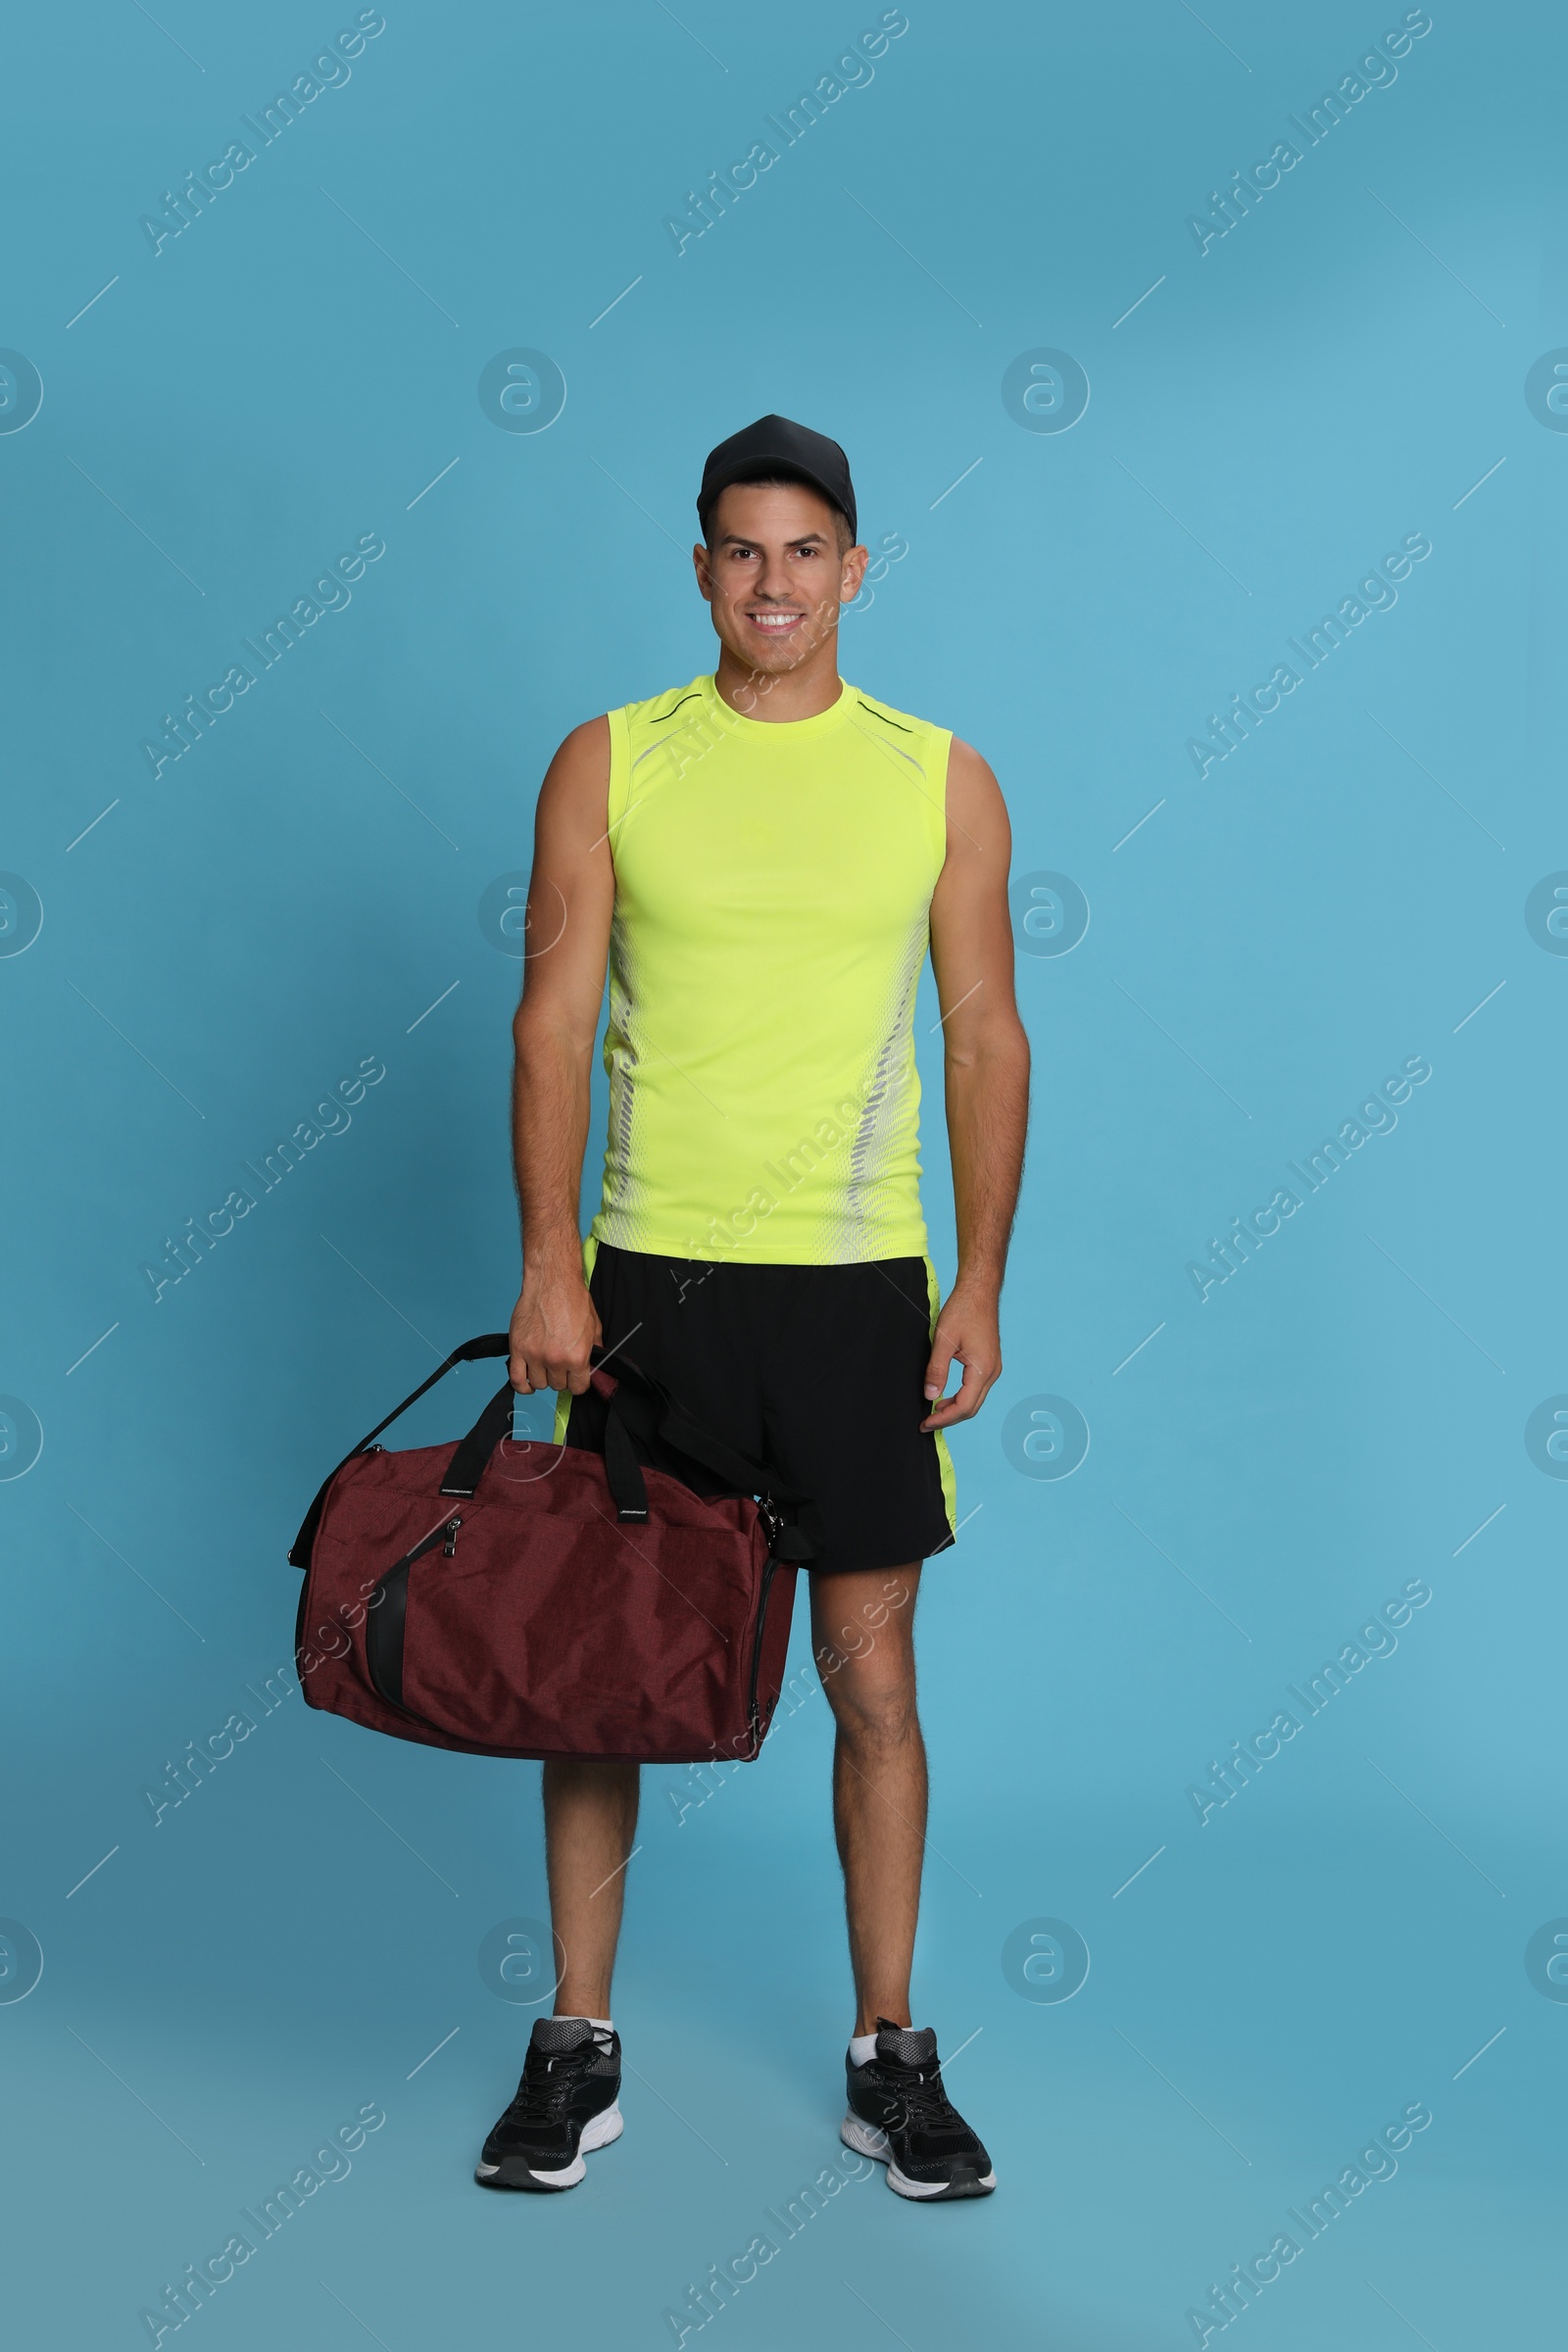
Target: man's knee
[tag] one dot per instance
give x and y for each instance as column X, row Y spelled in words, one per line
column 872, row 1693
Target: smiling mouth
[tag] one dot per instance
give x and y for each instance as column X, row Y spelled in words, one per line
column 775, row 624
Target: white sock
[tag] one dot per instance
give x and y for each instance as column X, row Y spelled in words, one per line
column 862, row 2048
column 601, row 2025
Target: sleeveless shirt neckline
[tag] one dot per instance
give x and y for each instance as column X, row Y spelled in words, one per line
column 782, row 731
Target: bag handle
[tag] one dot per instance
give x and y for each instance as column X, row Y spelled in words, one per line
column 653, row 1409
column 622, row 1470
column 467, row 1466
column 640, row 1406
column 648, row 1405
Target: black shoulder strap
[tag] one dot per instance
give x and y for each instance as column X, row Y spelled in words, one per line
column 488, row 1343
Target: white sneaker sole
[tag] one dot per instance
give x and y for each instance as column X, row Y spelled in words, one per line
column 867, row 2141
column 596, row 2135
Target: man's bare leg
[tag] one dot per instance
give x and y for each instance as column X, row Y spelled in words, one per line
column 862, row 1634
column 590, row 1824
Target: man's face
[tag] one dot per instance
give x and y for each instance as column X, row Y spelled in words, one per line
column 774, row 578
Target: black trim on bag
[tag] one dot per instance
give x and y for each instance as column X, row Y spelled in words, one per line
column 388, row 1608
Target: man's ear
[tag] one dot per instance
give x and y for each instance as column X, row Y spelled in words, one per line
column 852, row 572
column 704, row 584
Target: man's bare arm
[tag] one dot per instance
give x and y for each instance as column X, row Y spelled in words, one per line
column 987, row 1078
column 571, row 900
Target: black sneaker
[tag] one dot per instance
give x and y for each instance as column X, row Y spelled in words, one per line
column 567, row 2102
column 899, row 2113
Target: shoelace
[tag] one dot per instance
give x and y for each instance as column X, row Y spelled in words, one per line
column 923, row 2103
column 547, row 2084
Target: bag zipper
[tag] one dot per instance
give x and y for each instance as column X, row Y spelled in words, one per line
column 753, row 1722
column 774, row 1527
column 446, row 1535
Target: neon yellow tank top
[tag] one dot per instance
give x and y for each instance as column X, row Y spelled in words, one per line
column 773, row 886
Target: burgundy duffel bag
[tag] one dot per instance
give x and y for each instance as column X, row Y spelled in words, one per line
column 548, row 1600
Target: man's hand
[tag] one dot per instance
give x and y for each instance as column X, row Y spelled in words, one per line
column 554, row 1327
column 966, row 1329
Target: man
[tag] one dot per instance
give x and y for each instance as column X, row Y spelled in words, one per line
column 764, row 856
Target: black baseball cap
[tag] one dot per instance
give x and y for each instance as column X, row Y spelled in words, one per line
column 773, row 445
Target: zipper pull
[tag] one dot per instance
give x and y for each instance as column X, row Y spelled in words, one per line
column 450, row 1546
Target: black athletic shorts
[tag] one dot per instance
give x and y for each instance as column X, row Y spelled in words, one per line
column 820, row 1371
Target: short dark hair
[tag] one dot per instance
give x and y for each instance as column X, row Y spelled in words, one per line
column 776, row 479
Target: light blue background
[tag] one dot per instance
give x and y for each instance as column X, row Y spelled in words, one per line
column 228, row 940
